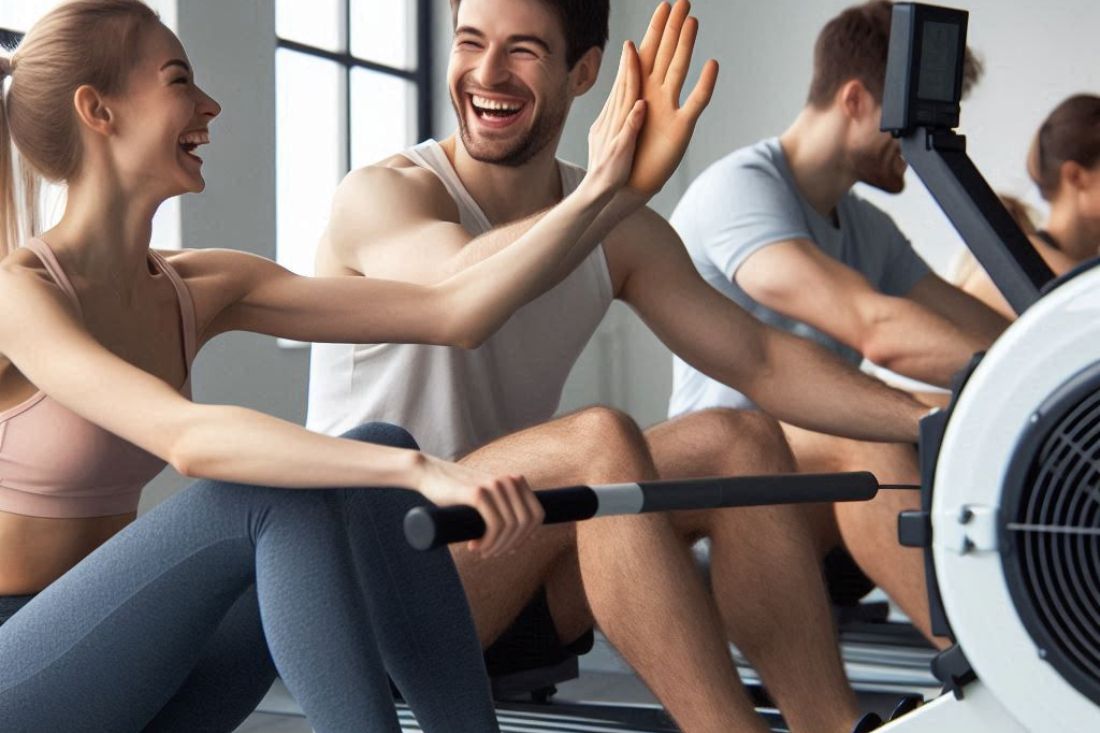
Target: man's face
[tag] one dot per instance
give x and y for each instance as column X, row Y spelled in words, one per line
column 874, row 155
column 508, row 79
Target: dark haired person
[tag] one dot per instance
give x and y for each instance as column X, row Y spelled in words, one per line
column 516, row 66
column 776, row 228
column 1064, row 163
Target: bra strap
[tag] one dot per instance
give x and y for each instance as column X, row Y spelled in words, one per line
column 49, row 261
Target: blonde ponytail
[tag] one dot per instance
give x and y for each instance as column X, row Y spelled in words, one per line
column 10, row 219
column 79, row 42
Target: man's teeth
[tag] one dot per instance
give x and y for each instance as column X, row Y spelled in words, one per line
column 494, row 105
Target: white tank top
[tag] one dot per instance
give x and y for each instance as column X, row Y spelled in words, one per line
column 454, row 400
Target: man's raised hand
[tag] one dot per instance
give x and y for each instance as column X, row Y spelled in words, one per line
column 665, row 57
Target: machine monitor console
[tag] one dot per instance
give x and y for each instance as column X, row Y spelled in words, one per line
column 924, row 71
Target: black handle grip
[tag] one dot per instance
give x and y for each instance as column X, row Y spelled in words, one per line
column 430, row 527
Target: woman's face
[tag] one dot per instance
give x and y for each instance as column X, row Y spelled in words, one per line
column 160, row 118
column 1081, row 186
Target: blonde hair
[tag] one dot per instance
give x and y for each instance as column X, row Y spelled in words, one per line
column 81, row 42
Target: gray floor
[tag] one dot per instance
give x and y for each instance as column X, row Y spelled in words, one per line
column 604, row 678
column 279, row 713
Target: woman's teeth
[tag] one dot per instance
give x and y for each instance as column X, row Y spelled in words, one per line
column 191, row 140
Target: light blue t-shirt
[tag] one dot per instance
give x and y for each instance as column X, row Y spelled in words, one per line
column 749, row 200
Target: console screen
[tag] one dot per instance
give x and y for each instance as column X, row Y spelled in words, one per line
column 938, row 56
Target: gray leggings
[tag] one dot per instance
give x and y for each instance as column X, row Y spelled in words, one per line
column 168, row 626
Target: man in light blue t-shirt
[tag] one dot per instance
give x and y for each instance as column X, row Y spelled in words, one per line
column 776, row 228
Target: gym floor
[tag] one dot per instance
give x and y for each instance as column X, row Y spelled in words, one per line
column 605, row 679
column 880, row 669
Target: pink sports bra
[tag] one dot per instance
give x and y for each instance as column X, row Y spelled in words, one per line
column 54, row 463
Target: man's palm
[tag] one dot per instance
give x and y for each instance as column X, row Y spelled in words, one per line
column 666, row 58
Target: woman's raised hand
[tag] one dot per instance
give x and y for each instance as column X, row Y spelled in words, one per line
column 613, row 136
column 506, row 503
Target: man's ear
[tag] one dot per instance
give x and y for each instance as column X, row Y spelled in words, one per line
column 586, row 71
column 854, row 99
column 92, row 110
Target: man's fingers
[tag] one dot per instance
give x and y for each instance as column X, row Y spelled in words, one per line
column 681, row 62
column 648, row 50
column 704, row 90
column 670, row 39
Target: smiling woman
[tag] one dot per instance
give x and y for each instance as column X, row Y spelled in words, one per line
column 265, row 562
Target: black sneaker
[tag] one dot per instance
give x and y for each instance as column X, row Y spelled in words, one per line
column 867, row 723
column 906, row 705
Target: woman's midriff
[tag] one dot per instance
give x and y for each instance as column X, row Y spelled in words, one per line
column 36, row 551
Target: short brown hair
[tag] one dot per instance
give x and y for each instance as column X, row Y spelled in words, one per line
column 585, row 24
column 855, row 45
column 1070, row 132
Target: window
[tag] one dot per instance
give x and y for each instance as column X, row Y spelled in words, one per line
column 354, row 87
column 16, row 18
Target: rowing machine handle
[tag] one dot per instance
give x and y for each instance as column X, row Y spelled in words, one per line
column 430, row 527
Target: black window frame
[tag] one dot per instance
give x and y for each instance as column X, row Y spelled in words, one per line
column 9, row 39
column 421, row 76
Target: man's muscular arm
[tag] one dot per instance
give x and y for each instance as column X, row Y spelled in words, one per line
column 791, row 378
column 903, row 334
column 964, row 310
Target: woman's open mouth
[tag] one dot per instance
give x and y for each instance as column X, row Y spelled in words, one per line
column 190, row 141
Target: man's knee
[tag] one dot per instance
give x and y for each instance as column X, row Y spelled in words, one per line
column 383, row 433
column 614, row 443
column 727, row 439
column 607, row 423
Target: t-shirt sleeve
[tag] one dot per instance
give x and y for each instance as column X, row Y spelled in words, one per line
column 738, row 211
column 903, row 268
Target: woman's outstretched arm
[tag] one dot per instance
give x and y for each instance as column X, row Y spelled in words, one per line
column 42, row 338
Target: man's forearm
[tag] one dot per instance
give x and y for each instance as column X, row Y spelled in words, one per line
column 919, row 343
column 808, row 386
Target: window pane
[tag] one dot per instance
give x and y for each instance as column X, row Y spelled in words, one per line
column 20, row 15
column 309, row 153
column 383, row 109
column 317, row 22
column 384, row 31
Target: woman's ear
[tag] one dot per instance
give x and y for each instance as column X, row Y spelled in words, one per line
column 92, row 110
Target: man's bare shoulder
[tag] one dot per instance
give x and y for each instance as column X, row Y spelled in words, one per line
column 641, row 241
column 395, row 189
column 643, row 229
